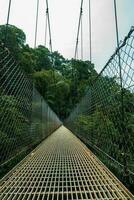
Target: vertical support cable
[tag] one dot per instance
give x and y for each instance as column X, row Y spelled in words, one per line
column 46, row 29
column 123, row 130
column 116, row 24
column 49, row 27
column 79, row 24
column 81, row 38
column 90, row 31
column 77, row 53
column 74, row 91
column 50, row 42
column 76, row 49
column 36, row 27
column 50, row 37
column 7, row 23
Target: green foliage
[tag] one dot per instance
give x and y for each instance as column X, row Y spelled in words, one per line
column 13, row 124
column 61, row 82
column 10, row 111
column 27, row 60
column 58, row 60
column 15, row 39
column 83, row 69
column 54, row 88
column 42, row 58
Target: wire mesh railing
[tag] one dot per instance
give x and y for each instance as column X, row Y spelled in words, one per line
column 25, row 118
column 104, row 118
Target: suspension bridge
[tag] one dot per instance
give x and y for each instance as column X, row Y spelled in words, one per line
column 77, row 158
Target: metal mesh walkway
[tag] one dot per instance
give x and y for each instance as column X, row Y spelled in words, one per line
column 61, row 168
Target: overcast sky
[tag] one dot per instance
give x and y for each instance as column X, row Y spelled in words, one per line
column 64, row 21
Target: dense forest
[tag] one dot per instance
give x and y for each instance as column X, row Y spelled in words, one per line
column 60, row 81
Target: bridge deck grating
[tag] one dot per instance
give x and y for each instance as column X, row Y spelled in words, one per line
column 62, row 168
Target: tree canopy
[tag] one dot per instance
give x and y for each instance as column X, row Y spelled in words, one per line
column 60, row 81
column 13, row 37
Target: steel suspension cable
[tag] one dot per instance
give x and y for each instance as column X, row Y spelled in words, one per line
column 116, row 23
column 9, row 8
column 7, row 23
column 50, row 41
column 81, row 38
column 79, row 24
column 90, row 31
column 49, row 27
column 36, row 26
column 46, row 29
